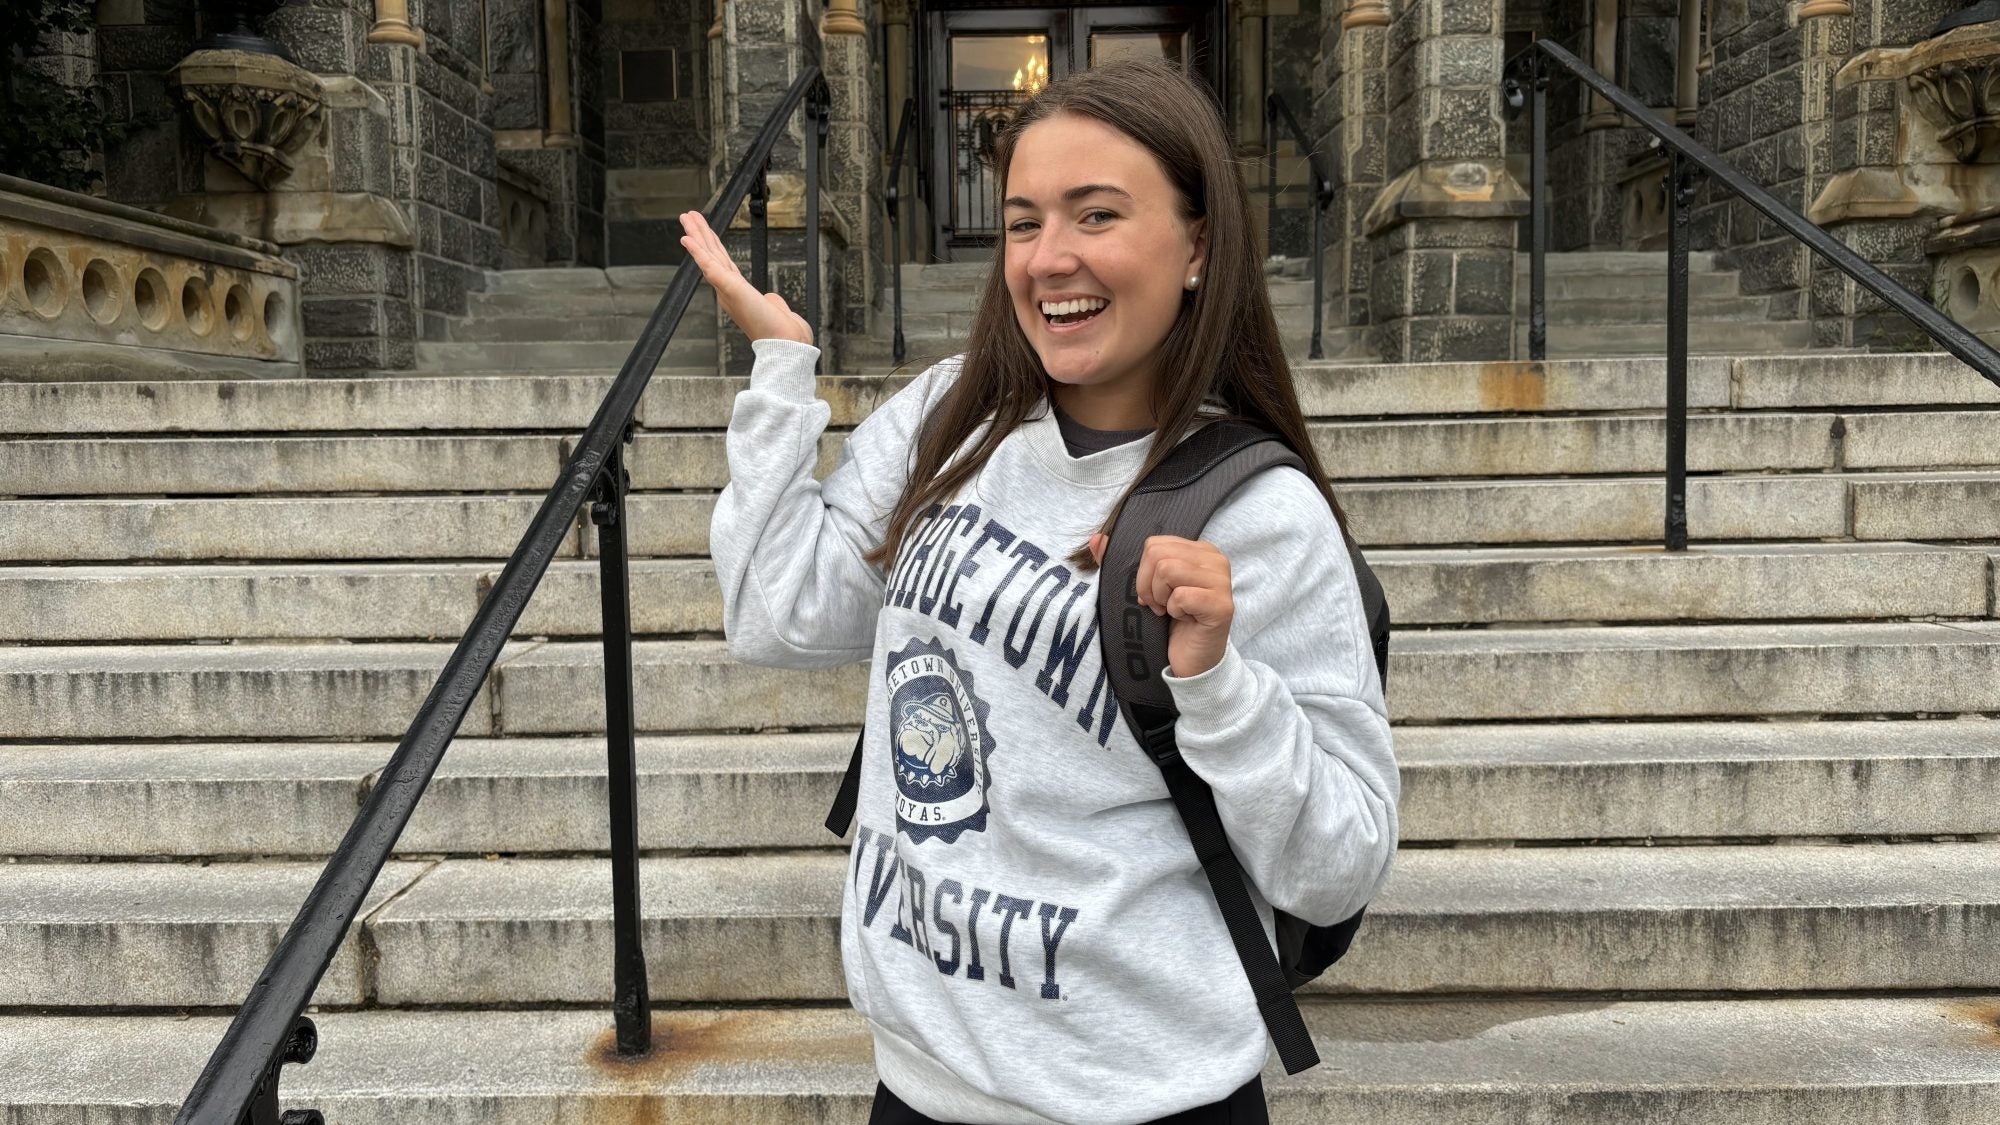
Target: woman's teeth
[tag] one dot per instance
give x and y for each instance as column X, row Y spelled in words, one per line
column 1077, row 309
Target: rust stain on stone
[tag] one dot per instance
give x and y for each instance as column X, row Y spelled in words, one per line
column 1518, row 386
column 685, row 1041
column 1983, row 1011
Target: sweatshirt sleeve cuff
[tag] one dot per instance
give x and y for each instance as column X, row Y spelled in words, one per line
column 1217, row 699
column 784, row 368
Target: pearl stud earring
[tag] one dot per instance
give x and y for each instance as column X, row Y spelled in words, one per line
column 1194, row 281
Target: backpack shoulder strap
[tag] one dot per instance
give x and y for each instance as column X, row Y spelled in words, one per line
column 1178, row 498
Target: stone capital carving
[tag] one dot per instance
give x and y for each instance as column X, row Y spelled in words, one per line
column 1953, row 79
column 255, row 109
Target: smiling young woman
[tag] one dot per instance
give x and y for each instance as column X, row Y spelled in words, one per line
column 1025, row 926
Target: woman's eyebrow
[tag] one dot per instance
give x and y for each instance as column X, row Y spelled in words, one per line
column 1070, row 196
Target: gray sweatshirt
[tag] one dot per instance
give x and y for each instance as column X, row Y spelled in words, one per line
column 1024, row 925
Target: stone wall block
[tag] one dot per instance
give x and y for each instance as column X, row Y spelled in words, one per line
column 1460, row 61
column 1435, row 339
column 1771, row 267
column 1430, row 283
column 445, row 285
column 345, row 316
column 139, row 47
column 1465, row 125
column 349, row 269
column 1778, row 102
column 1904, row 22
column 1464, row 17
column 1389, row 286
column 1485, row 284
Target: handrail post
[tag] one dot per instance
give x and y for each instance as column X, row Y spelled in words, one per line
column 1538, row 212
column 893, row 198
column 631, row 1007
column 816, row 125
column 1321, row 192
column 760, row 229
column 1270, row 177
column 1680, row 204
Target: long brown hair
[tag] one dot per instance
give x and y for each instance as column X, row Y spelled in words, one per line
column 1224, row 343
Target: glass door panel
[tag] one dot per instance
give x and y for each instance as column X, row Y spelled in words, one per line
column 995, row 62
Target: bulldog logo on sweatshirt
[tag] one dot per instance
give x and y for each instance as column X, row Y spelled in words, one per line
column 939, row 743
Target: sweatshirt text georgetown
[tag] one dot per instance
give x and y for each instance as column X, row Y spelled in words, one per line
column 1024, row 924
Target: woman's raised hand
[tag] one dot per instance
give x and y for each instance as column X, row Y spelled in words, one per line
column 761, row 316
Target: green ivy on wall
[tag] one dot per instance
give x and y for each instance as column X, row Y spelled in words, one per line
column 49, row 131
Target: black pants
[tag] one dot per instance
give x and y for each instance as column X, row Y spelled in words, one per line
column 1244, row 1107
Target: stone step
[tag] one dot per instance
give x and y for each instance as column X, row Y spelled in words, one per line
column 765, row 926
column 1527, row 782
column 1868, row 506
column 432, row 601
column 1732, row 338
column 1627, row 285
column 580, row 279
column 395, row 403
column 1881, row 379
column 274, row 690
column 603, row 302
column 1417, row 1062
column 91, row 935
column 1616, row 262
column 689, row 356
column 564, row 397
column 1765, row 382
column 1586, row 310
column 367, row 601
column 1476, row 447
column 1724, row 919
column 511, row 327
column 308, row 528
column 1708, row 582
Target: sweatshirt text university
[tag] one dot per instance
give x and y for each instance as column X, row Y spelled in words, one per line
column 1025, row 926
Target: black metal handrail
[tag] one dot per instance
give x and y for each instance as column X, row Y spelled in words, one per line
column 1527, row 83
column 1276, row 112
column 892, row 198
column 240, row 1082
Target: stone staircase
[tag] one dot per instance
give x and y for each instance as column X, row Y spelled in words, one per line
column 1614, row 303
column 538, row 320
column 1600, row 304
column 1693, row 837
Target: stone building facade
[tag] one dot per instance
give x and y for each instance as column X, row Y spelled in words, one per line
column 437, row 140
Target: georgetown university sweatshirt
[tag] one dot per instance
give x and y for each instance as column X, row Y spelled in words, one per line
column 1024, row 924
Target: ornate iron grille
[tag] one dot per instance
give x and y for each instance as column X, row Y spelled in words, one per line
column 977, row 117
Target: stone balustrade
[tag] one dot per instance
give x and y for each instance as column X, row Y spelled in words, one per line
column 91, row 289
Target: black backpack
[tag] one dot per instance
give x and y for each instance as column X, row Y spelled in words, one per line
column 1178, row 498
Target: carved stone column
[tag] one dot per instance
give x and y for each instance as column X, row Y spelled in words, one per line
column 1687, row 77
column 1442, row 231
column 562, row 116
column 392, row 24
column 1604, row 60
